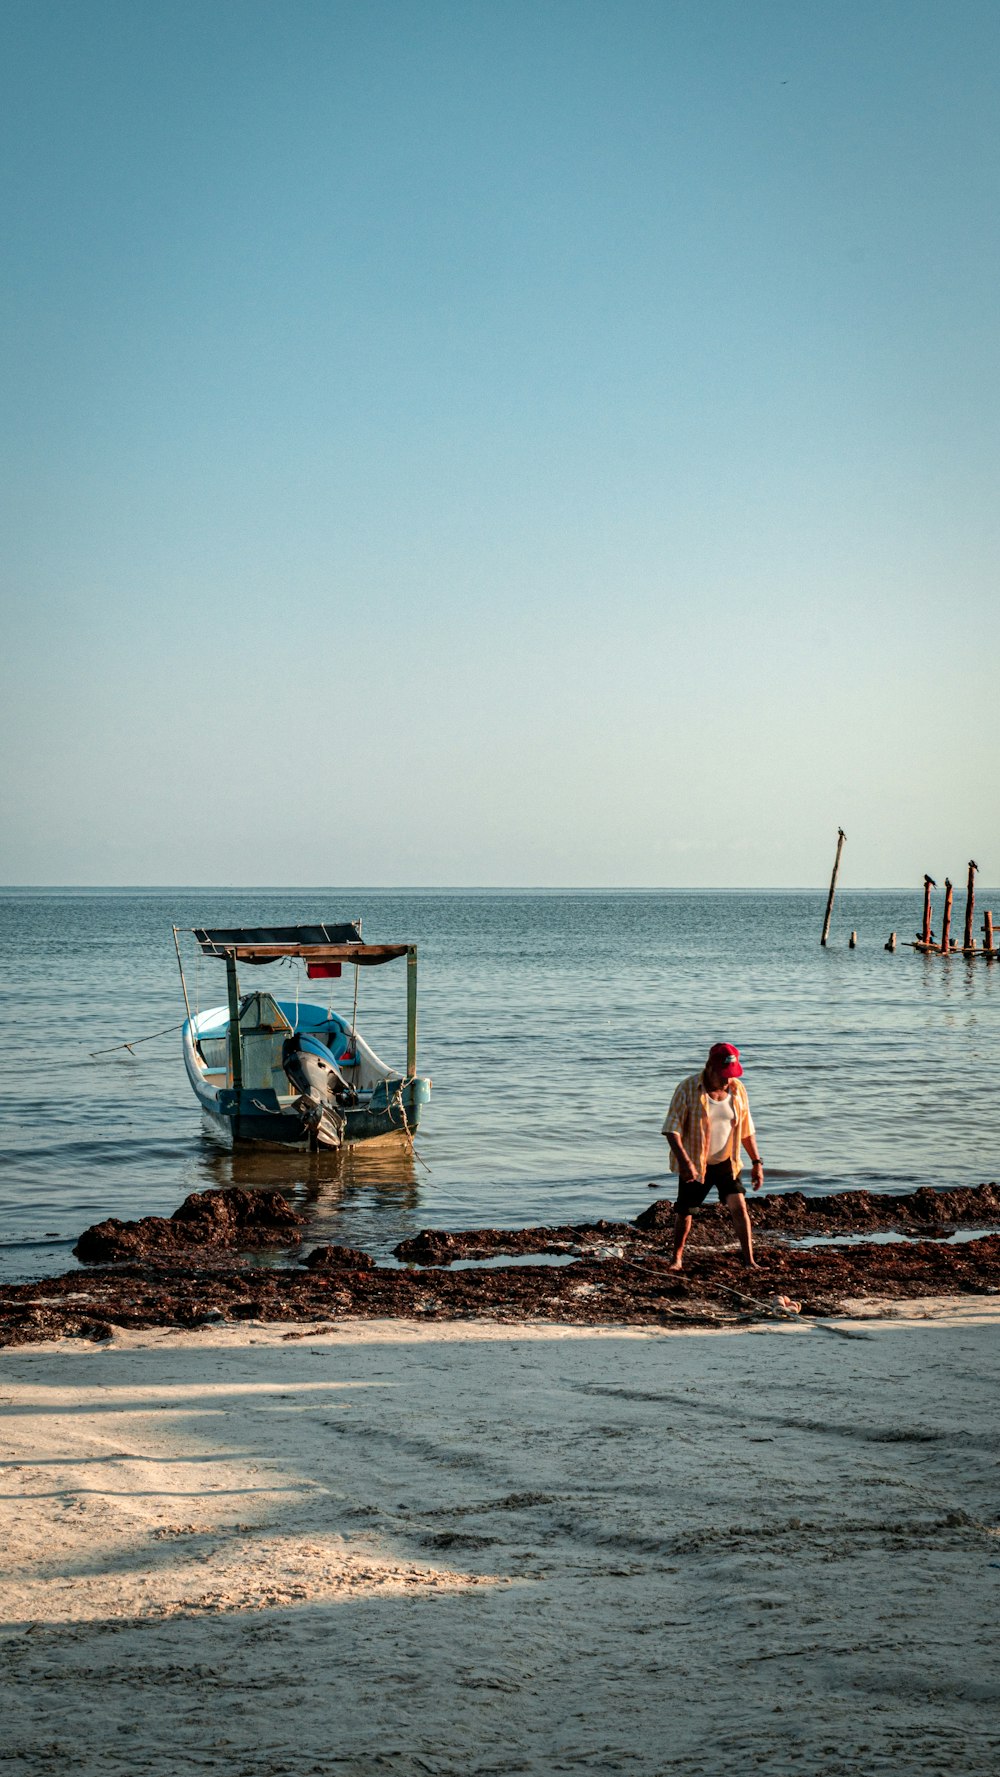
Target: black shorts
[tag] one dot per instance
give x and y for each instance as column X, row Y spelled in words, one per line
column 692, row 1196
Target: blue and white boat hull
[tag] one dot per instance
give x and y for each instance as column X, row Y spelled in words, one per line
column 268, row 1110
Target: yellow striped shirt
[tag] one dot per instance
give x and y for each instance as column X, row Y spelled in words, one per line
column 688, row 1117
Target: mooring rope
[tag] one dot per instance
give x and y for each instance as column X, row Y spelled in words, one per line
column 397, row 1097
column 776, row 1312
column 131, row 1046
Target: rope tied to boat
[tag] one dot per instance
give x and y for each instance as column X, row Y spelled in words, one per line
column 397, row 1097
column 114, row 1047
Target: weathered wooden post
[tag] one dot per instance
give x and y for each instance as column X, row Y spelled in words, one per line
column 946, row 918
column 833, row 885
column 926, row 935
column 892, row 941
column 969, row 942
column 987, row 930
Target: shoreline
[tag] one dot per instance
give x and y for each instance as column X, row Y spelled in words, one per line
column 714, row 1289
column 609, row 1275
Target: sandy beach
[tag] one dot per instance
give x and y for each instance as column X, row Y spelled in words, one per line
column 470, row 1548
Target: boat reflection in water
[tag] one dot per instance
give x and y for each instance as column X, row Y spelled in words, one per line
column 356, row 1196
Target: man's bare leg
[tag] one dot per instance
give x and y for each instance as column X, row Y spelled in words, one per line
column 682, row 1228
column 736, row 1204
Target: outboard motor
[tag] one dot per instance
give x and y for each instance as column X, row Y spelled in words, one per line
column 323, row 1091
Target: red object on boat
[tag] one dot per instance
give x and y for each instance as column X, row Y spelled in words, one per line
column 323, row 971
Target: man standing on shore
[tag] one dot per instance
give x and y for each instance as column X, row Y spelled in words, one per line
column 707, row 1126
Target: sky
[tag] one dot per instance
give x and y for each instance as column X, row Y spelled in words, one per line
column 516, row 442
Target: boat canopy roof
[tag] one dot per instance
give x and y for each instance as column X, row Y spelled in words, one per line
column 316, row 944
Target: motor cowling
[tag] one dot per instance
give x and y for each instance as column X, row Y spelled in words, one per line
column 324, row 1094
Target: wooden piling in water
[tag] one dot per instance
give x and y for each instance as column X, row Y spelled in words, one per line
column 833, row 885
column 926, row 935
column 968, row 941
column 949, row 946
column 946, row 918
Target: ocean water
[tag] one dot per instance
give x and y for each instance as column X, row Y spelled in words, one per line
column 554, row 1026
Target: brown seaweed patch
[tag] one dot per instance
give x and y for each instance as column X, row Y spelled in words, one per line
column 713, row 1290
column 332, row 1258
column 229, row 1219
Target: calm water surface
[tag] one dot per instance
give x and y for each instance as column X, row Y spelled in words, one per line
column 554, row 1026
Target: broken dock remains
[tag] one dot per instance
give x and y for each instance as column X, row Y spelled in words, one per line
column 925, row 940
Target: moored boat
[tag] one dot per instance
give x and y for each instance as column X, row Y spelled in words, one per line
column 269, row 1069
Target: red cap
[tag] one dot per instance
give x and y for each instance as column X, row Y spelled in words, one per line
column 726, row 1060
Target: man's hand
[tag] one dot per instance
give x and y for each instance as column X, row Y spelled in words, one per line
column 685, row 1169
column 757, row 1174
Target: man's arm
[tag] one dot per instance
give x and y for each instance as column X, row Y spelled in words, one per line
column 686, row 1172
column 757, row 1164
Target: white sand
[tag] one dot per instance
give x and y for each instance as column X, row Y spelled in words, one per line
column 473, row 1549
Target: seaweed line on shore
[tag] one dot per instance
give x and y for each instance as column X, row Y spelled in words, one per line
column 195, row 1269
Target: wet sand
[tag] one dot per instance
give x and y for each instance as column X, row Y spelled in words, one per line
column 465, row 1548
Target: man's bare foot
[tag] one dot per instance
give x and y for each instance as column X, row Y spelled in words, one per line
column 675, row 1265
column 751, row 1265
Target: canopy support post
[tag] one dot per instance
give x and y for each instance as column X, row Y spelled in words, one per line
column 354, row 1014
column 180, row 965
column 235, row 1038
column 411, row 1011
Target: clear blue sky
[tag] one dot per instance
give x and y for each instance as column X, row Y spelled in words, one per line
column 500, row 442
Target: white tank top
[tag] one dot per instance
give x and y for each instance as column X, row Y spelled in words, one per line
column 721, row 1117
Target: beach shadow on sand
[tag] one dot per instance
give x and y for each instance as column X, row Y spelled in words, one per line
column 478, row 1549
